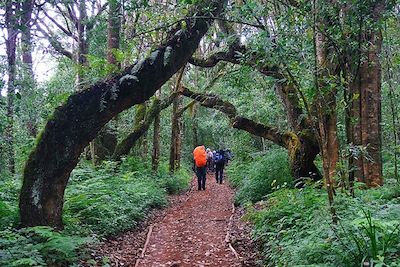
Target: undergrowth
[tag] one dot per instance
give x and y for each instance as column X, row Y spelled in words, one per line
column 294, row 226
column 99, row 202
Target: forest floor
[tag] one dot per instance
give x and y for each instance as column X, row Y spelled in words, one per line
column 198, row 228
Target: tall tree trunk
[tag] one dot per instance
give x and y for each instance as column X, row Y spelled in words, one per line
column 140, row 114
column 104, row 144
column 78, row 121
column 155, row 158
column 326, row 87
column 195, row 130
column 26, row 49
column 113, row 29
column 366, row 110
column 82, row 44
column 176, row 125
column 11, row 42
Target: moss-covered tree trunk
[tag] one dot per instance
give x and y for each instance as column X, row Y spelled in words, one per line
column 125, row 146
column 75, row 123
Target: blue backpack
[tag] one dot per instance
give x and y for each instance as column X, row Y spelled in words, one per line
column 219, row 157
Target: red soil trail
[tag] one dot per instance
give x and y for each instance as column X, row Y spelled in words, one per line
column 193, row 232
column 190, row 232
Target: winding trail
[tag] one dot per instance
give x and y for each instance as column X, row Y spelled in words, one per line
column 193, row 232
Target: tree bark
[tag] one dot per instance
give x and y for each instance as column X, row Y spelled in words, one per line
column 366, row 110
column 140, row 115
column 77, row 122
column 195, row 127
column 326, row 83
column 176, row 125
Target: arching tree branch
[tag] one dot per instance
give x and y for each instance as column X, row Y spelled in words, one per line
column 238, row 122
column 238, row 54
column 301, row 147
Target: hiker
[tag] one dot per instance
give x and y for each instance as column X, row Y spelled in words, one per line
column 210, row 160
column 200, row 162
column 219, row 160
column 228, row 155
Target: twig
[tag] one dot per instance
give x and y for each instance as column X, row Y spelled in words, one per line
column 234, row 251
column 227, row 237
column 145, row 245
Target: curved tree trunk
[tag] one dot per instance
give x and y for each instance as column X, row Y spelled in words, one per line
column 78, row 121
column 124, row 147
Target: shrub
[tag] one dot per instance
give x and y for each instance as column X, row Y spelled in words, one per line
column 9, row 193
column 173, row 183
column 38, row 246
column 257, row 178
column 110, row 201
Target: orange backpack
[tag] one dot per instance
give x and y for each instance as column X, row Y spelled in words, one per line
column 200, row 156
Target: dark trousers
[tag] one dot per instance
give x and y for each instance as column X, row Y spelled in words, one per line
column 219, row 173
column 210, row 165
column 201, row 177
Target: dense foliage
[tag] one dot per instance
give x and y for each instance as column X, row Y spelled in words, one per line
column 293, row 226
column 263, row 49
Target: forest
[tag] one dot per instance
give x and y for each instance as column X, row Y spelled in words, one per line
column 103, row 102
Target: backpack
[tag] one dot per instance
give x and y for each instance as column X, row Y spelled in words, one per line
column 219, row 158
column 200, row 156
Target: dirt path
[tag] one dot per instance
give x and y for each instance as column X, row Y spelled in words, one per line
column 193, row 233
column 190, row 232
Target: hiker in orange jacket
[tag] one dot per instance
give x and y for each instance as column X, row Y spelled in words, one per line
column 200, row 162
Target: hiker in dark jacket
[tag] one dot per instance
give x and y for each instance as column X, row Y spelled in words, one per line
column 219, row 160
